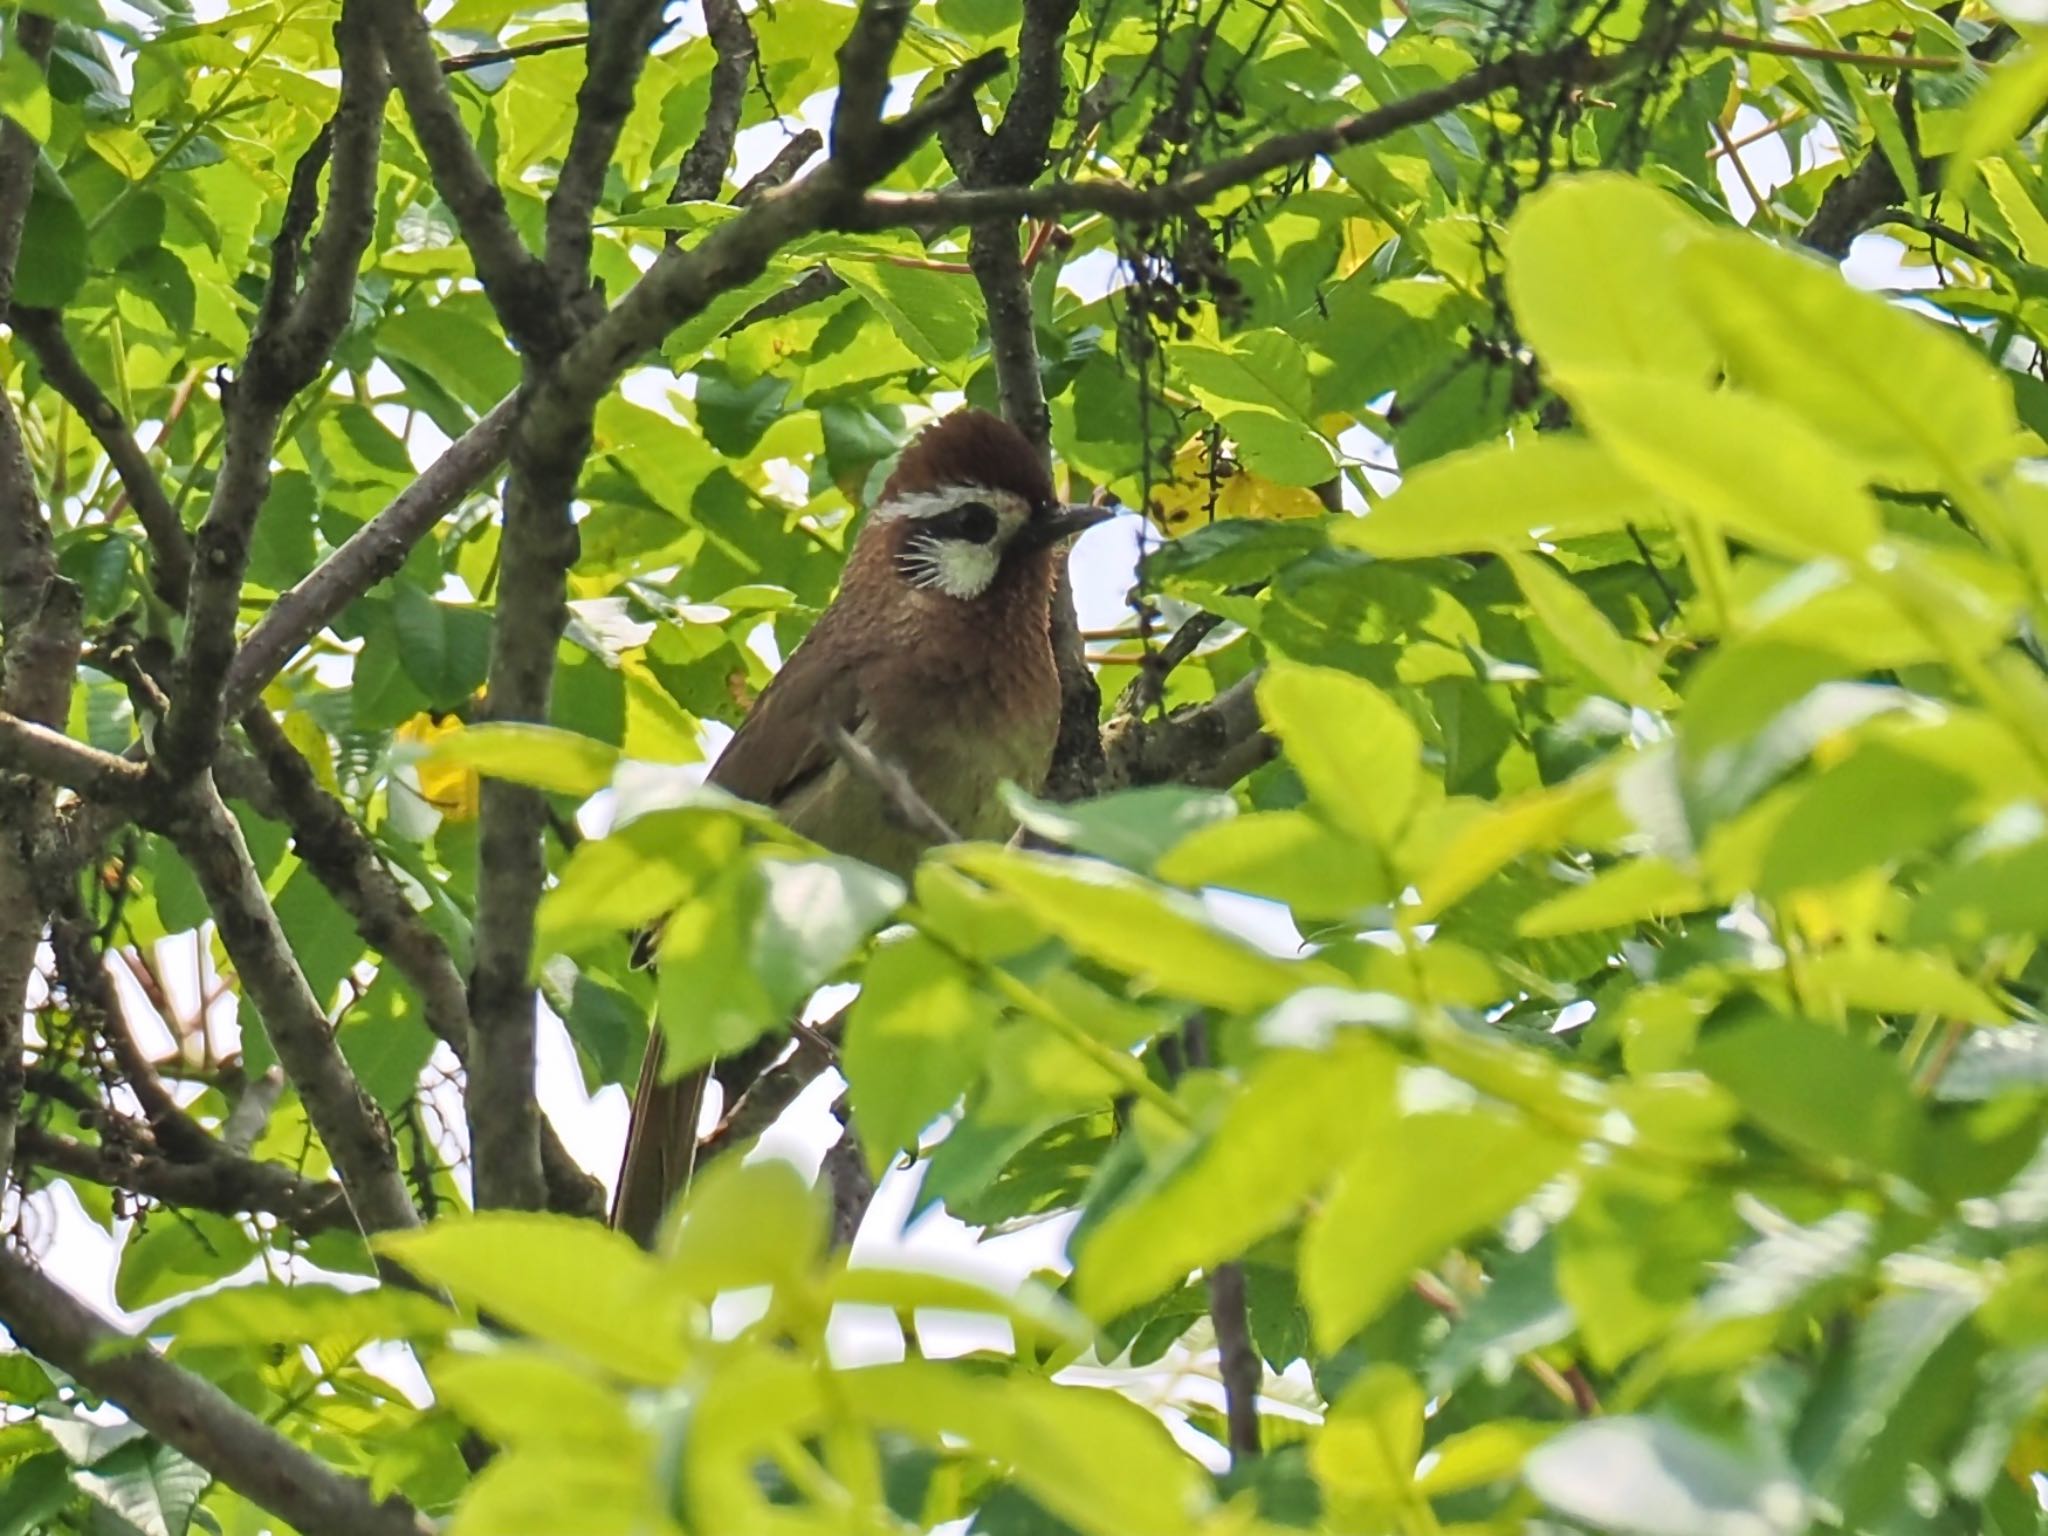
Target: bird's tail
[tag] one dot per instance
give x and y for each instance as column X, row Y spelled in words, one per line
column 661, row 1146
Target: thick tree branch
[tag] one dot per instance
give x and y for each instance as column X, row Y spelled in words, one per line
column 348, row 1123
column 1213, row 744
column 1237, row 1362
column 41, row 661
column 1857, row 199
column 537, row 548
column 513, row 278
column 702, row 171
column 342, row 857
column 682, row 282
column 227, row 1184
column 621, row 33
column 1015, row 155
column 169, row 545
column 294, row 335
column 28, row 559
column 30, row 748
column 191, row 1414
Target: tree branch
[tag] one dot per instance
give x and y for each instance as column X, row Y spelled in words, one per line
column 1015, row 155
column 537, row 548
column 1573, row 63
column 28, row 559
column 514, row 279
column 170, row 546
column 82, row 968
column 1212, row 744
column 295, row 333
column 1856, row 200
column 373, row 553
column 226, row 1184
column 1237, row 1362
column 784, row 165
column 41, row 661
column 702, row 171
column 30, row 748
column 345, row 861
column 348, row 1123
column 621, row 33
column 191, row 1414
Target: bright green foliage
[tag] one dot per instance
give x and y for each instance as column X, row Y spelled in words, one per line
column 1645, row 1133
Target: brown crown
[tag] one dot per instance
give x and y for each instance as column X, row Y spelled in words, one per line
column 971, row 447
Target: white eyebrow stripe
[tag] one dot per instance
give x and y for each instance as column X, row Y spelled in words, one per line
column 923, row 504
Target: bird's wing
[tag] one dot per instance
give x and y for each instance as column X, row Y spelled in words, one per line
column 783, row 745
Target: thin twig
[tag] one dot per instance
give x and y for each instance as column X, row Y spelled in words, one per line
column 905, row 805
column 1735, row 42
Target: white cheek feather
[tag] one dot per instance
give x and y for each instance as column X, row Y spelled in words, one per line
column 961, row 569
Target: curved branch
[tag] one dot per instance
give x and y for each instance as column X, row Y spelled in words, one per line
column 348, row 1123
column 227, row 1184
column 192, row 1414
column 295, row 333
column 1122, row 200
column 702, row 171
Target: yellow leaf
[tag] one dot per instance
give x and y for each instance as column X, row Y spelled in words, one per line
column 449, row 786
column 1189, row 499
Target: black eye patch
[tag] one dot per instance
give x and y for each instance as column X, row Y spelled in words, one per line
column 973, row 522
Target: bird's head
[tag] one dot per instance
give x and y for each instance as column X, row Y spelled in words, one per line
column 971, row 508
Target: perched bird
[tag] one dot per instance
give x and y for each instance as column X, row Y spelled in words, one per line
column 937, row 657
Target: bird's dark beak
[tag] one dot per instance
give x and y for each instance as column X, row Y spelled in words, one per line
column 1059, row 524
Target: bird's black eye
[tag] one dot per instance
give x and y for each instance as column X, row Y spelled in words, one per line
column 975, row 522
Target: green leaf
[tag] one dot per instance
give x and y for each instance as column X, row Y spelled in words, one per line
column 1735, row 459
column 745, row 1225
column 935, row 314
column 1256, row 385
column 1371, row 1439
column 271, row 1313
column 1037, row 1313
column 1284, row 1133
column 1357, row 753
column 559, row 1279
column 1131, row 827
column 915, row 1043
column 178, row 1253
column 2004, row 104
column 539, row 756
column 1908, row 397
column 151, row 1486
column 1502, row 497
column 1652, row 1477
column 1816, row 1089
column 1098, row 1461
column 53, row 243
column 1629, row 671
column 1630, row 892
column 519, row 1397
column 1156, row 936
column 745, row 952
column 1284, row 856
column 1635, row 316
column 1830, row 835
column 1416, row 1185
